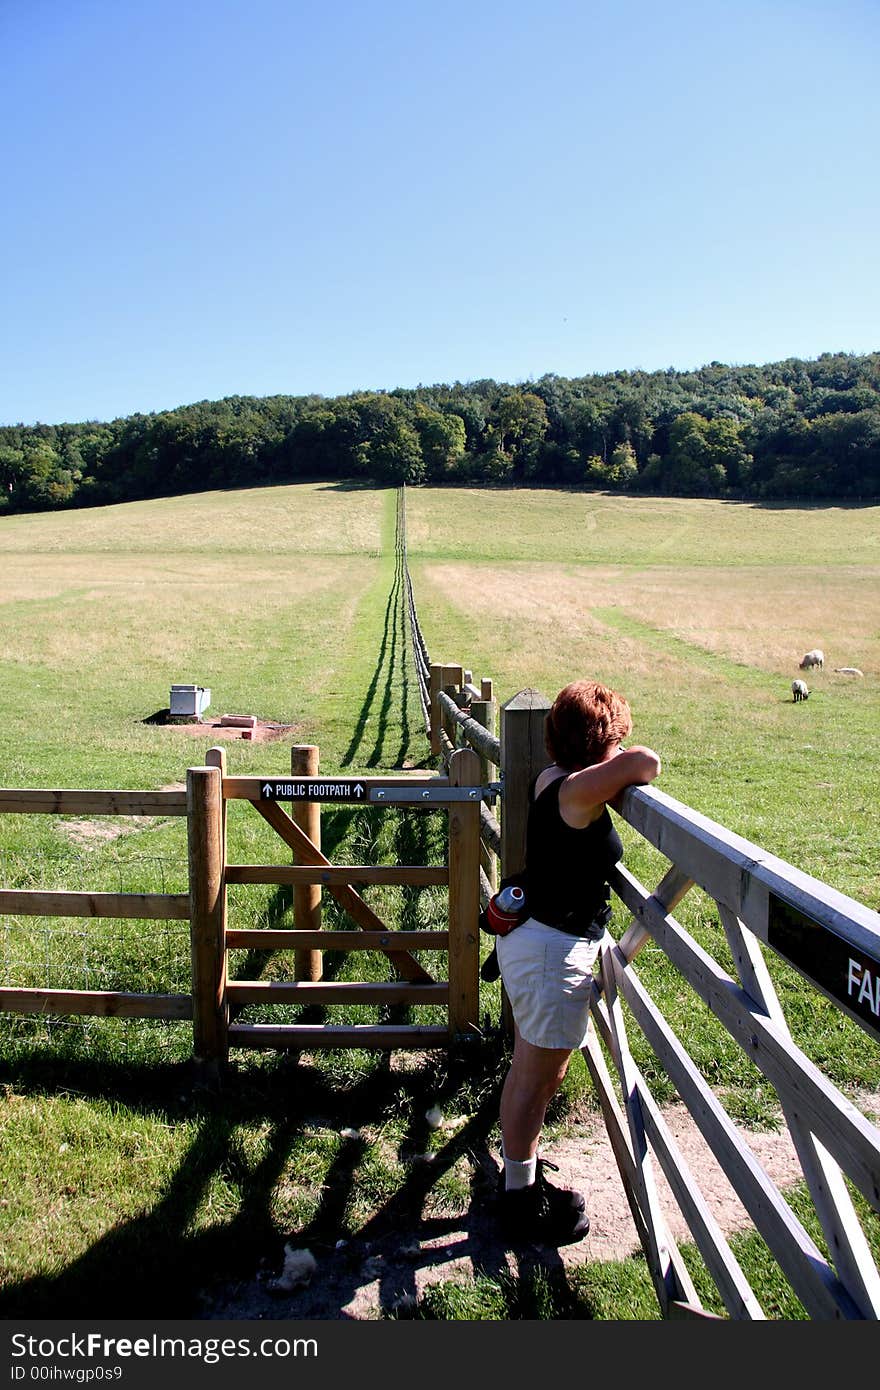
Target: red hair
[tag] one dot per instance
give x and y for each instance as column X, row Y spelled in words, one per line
column 583, row 721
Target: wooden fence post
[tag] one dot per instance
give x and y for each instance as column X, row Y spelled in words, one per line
column 442, row 676
column 523, row 756
column 207, row 897
column 434, row 689
column 216, row 757
column 483, row 712
column 464, row 896
column 451, row 681
column 308, row 964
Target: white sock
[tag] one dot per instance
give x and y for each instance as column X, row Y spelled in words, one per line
column 519, row 1173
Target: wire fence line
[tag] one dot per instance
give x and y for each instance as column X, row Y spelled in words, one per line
column 450, row 711
column 421, row 656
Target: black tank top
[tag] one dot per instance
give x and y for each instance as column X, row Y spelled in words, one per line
column 567, row 869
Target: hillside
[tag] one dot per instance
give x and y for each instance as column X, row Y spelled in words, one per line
column 806, row 429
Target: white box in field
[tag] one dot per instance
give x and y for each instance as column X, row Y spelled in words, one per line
column 191, row 700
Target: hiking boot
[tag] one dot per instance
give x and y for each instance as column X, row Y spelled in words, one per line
column 559, row 1195
column 542, row 1213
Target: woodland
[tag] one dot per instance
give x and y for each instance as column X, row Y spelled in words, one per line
column 797, row 429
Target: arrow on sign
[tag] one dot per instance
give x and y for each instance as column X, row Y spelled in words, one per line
column 268, row 789
column 358, row 789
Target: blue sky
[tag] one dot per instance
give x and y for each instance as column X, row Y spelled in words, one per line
column 215, row 198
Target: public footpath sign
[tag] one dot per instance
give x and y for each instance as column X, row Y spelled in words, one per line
column 848, row 974
column 388, row 791
column 312, row 789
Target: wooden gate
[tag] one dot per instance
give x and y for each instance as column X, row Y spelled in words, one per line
column 215, row 996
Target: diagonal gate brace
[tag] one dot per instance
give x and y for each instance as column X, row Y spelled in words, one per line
column 353, row 903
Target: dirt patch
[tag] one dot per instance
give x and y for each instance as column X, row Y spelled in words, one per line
column 90, row 833
column 366, row 1279
column 758, row 617
column 263, row 731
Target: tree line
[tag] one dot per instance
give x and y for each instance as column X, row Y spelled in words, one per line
column 798, row 428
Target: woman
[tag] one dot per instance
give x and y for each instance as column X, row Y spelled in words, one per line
column 547, row 961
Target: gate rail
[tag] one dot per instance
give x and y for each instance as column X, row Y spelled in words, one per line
column 459, row 793
column 213, row 996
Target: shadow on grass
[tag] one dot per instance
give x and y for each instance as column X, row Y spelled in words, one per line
column 385, row 668
column 166, row 1260
column 388, row 697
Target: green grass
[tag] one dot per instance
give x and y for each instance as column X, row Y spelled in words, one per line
column 597, row 529
column 287, row 603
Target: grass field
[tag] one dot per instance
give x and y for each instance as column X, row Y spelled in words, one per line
column 704, row 641
column 284, row 602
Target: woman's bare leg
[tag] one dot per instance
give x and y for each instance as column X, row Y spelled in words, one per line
column 535, row 1075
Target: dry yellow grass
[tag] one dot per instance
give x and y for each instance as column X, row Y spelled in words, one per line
column 169, row 612
column 306, row 518
column 764, row 618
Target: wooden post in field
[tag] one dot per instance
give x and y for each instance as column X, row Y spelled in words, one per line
column 483, row 712
column 464, row 897
column 207, row 896
column 440, row 677
column 523, row 756
column 434, row 688
column 308, row 964
column 451, row 678
column 216, row 757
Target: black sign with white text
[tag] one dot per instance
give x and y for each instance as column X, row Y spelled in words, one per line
column 844, row 971
column 312, row 789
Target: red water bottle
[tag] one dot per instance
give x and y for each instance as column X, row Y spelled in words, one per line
column 504, row 911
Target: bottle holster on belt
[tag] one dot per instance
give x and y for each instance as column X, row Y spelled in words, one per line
column 499, row 922
column 498, row 918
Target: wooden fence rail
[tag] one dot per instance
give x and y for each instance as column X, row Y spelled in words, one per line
column 30, row 902
column 214, row 1002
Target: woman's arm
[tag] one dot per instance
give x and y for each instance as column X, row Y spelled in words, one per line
column 583, row 794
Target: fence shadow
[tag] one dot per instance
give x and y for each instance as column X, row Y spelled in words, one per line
column 169, row 1261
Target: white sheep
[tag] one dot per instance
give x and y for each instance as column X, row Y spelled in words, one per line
column 799, row 691
column 813, row 658
column 848, row 671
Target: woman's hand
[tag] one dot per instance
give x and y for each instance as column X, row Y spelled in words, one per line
column 583, row 794
column 643, row 765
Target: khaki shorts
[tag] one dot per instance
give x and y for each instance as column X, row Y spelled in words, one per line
column 548, row 976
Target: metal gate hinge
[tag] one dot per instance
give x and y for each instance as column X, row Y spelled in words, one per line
column 427, row 795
